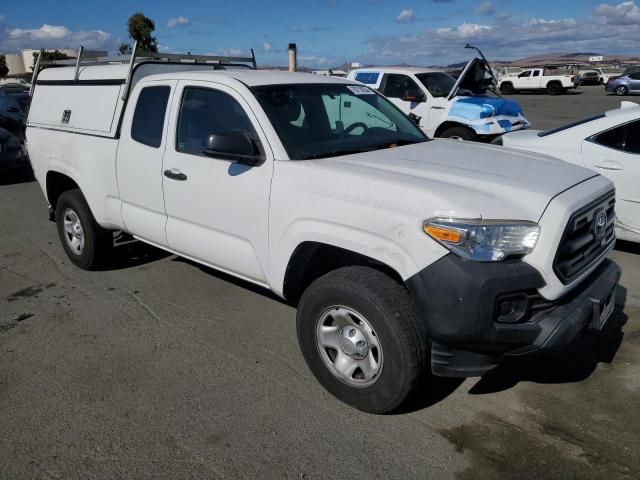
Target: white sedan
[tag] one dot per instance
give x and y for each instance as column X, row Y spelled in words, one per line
column 608, row 143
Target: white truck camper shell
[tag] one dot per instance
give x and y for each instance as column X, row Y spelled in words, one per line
column 110, row 80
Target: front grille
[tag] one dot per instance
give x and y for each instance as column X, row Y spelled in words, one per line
column 581, row 247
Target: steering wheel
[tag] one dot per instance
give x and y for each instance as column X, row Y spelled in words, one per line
column 353, row 126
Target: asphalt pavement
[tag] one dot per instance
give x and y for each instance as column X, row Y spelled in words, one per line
column 159, row 368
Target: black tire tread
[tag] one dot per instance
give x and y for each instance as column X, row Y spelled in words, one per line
column 102, row 239
column 395, row 298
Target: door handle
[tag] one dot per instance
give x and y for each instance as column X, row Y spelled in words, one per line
column 609, row 165
column 175, row 174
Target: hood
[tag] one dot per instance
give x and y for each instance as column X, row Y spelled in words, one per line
column 476, row 78
column 469, row 180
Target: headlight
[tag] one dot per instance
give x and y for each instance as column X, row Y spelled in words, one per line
column 483, row 240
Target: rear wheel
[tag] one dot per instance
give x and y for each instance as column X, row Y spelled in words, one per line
column 621, row 91
column 458, row 133
column 507, row 89
column 555, row 89
column 361, row 338
column 85, row 242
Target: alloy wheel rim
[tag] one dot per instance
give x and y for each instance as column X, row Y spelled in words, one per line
column 348, row 346
column 73, row 231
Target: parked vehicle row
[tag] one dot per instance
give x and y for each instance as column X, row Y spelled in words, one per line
column 403, row 255
column 14, row 104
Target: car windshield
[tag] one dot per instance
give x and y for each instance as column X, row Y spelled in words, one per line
column 329, row 119
column 439, row 84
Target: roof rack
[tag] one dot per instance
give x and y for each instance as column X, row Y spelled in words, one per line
column 139, row 57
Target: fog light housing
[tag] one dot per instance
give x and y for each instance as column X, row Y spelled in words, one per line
column 512, row 308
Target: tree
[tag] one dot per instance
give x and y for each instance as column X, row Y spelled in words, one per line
column 125, row 49
column 140, row 29
column 48, row 55
column 4, row 69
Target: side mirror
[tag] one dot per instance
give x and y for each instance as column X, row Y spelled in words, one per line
column 414, row 96
column 234, row 146
column 13, row 109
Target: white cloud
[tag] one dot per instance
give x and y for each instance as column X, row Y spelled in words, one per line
column 626, row 13
column 606, row 30
column 485, row 8
column 55, row 36
column 406, row 16
column 178, row 22
column 266, row 47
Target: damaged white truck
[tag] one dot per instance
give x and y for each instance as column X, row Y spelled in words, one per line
column 404, row 256
column 446, row 107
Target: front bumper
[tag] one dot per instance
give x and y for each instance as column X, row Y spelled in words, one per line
column 459, row 302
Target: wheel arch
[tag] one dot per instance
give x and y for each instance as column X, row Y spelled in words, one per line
column 56, row 184
column 451, row 124
column 311, row 259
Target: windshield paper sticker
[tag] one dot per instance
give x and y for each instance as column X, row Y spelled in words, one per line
column 358, row 90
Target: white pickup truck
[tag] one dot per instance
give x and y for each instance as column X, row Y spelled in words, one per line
column 403, row 255
column 554, row 81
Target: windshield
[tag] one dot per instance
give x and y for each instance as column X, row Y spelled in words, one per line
column 439, row 84
column 326, row 120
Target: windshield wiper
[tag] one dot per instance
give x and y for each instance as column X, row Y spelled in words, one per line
column 337, row 153
column 369, row 148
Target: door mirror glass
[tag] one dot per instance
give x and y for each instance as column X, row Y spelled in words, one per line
column 414, row 96
column 236, row 146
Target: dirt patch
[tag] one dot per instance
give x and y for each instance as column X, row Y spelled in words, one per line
column 13, row 321
column 564, row 426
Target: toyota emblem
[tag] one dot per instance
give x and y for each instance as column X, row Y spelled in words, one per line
column 600, row 224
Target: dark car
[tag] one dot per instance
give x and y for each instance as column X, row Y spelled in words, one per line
column 12, row 151
column 13, row 113
column 624, row 84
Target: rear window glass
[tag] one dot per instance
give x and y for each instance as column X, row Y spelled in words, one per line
column 571, row 125
column 148, row 119
column 367, row 77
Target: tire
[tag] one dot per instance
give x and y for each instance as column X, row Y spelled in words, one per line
column 507, row 89
column 362, row 306
column 85, row 242
column 621, row 91
column 458, row 133
column 601, row 81
column 555, row 89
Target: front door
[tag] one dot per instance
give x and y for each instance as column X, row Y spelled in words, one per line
column 616, row 154
column 217, row 210
column 395, row 87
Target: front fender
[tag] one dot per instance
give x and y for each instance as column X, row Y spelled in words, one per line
column 391, row 247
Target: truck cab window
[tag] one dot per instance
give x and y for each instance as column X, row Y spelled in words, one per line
column 205, row 111
column 536, row 73
column 397, row 86
column 148, row 118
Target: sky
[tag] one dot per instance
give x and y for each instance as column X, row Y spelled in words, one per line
column 331, row 32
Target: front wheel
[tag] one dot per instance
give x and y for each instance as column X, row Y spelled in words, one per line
column 458, row 133
column 555, row 89
column 85, row 242
column 361, row 338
